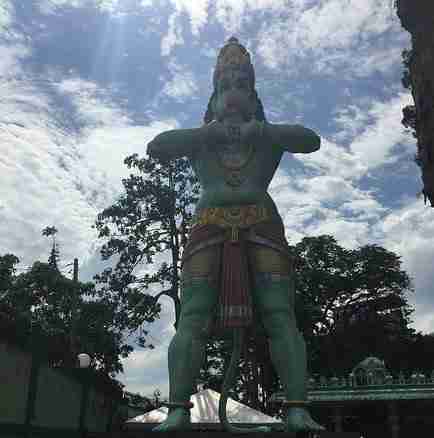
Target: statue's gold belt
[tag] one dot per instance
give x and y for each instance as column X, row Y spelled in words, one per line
column 233, row 217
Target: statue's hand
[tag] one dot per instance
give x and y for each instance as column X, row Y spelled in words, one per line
column 156, row 147
column 251, row 130
column 214, row 133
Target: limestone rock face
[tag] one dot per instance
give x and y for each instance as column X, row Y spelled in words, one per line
column 417, row 17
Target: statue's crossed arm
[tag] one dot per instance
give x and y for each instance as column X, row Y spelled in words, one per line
column 178, row 143
column 174, row 144
column 293, row 138
column 183, row 142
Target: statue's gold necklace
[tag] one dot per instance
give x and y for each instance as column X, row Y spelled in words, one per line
column 234, row 156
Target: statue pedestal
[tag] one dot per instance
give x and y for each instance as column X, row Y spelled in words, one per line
column 215, row 431
column 215, row 434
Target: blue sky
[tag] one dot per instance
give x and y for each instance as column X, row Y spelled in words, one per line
column 84, row 83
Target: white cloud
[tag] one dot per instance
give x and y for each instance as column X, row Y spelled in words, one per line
column 409, row 232
column 366, row 208
column 333, row 159
column 146, row 370
column 94, row 105
column 375, row 145
column 173, row 37
column 377, row 60
column 328, row 200
column 197, row 11
column 230, row 14
column 50, row 6
column 335, row 23
column 233, row 14
column 110, row 134
column 350, row 120
column 372, row 130
column 337, row 36
column 49, row 177
column 36, row 192
column 5, row 15
column 324, row 204
column 182, row 84
column 10, row 57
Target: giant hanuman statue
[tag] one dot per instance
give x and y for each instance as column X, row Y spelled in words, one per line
column 236, row 264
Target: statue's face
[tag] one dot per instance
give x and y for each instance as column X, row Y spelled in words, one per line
column 234, row 96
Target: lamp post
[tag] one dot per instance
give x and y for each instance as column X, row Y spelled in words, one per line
column 84, row 363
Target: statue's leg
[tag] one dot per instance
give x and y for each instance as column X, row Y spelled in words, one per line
column 274, row 297
column 187, row 348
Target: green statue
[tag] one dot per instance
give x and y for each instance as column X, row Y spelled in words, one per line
column 236, row 264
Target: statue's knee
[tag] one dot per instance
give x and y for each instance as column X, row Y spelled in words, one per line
column 278, row 324
column 300, row 340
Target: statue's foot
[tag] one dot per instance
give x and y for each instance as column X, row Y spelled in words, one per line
column 178, row 419
column 299, row 420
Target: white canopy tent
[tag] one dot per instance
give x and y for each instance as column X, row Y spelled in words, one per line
column 205, row 410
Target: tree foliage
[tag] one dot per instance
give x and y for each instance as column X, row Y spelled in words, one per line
column 150, row 219
column 46, row 309
column 54, row 254
column 350, row 303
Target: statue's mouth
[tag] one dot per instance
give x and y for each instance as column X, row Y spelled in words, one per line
column 232, row 106
column 234, row 98
column 234, row 103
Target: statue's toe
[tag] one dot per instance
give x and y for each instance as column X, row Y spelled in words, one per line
column 178, row 419
column 299, row 420
column 313, row 425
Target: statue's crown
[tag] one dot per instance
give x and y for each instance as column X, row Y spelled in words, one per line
column 233, row 55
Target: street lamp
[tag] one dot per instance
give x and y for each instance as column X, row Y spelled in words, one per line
column 83, row 360
column 84, row 363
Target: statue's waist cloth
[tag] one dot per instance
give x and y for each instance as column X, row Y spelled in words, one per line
column 230, row 230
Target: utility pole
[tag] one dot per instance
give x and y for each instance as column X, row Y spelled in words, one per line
column 74, row 342
column 75, row 275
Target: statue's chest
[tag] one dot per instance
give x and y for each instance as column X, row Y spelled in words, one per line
column 234, row 156
column 235, row 163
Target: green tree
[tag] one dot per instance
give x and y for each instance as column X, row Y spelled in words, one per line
column 43, row 306
column 54, row 254
column 350, row 304
column 7, row 276
column 150, row 218
column 420, row 354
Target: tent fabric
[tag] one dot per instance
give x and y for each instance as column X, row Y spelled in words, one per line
column 205, row 410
